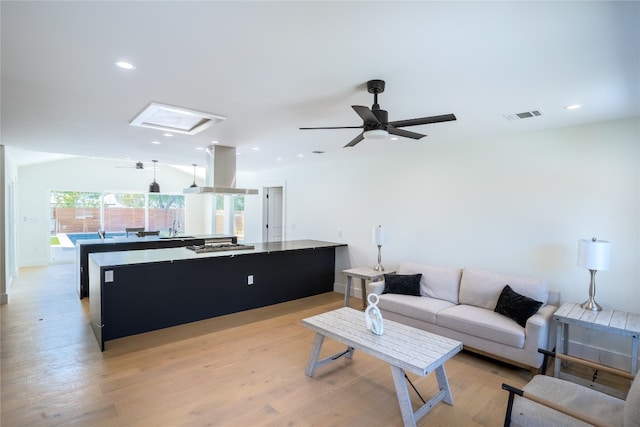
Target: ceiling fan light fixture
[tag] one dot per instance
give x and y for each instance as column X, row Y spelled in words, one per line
column 375, row 134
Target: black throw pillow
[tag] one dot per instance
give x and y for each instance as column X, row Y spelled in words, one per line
column 405, row 284
column 515, row 306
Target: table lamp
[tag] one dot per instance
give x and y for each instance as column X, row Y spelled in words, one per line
column 378, row 240
column 593, row 255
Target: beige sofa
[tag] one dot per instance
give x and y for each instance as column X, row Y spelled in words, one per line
column 459, row 304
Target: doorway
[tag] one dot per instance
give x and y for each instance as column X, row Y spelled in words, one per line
column 272, row 214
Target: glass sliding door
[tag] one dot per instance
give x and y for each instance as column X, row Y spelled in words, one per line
column 123, row 210
column 166, row 213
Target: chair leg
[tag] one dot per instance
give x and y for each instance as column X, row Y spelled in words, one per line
column 545, row 361
column 512, row 392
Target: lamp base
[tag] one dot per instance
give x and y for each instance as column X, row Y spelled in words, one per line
column 378, row 267
column 591, row 304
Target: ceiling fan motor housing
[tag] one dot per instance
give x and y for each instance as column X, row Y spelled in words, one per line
column 375, row 86
column 381, row 115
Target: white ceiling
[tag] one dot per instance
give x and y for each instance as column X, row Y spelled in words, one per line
column 272, row 67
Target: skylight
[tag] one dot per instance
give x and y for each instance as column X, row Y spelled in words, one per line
column 169, row 118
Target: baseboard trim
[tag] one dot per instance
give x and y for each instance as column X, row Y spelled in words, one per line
column 356, row 291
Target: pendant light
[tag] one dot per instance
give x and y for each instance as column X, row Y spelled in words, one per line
column 154, row 187
column 194, row 176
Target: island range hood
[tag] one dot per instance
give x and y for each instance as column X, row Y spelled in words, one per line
column 221, row 173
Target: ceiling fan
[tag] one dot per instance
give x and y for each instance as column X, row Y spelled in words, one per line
column 137, row 165
column 375, row 122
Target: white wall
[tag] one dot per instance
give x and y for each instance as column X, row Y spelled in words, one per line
column 515, row 204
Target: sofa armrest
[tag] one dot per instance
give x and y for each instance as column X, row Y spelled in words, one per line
column 375, row 287
column 539, row 331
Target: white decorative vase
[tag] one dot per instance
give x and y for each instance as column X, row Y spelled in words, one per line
column 373, row 316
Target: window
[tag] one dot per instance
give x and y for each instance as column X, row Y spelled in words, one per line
column 123, row 210
column 227, row 207
column 84, row 213
column 166, row 212
column 74, row 211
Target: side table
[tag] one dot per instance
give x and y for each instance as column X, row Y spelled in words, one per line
column 364, row 274
column 613, row 322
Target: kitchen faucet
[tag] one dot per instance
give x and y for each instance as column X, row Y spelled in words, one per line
column 174, row 227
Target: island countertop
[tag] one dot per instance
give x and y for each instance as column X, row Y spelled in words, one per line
column 148, row 256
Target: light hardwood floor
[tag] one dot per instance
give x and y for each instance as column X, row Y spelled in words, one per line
column 245, row 369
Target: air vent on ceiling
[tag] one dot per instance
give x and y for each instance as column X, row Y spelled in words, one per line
column 175, row 119
column 524, row 115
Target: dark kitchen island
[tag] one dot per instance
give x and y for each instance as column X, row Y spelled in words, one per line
column 89, row 246
column 140, row 291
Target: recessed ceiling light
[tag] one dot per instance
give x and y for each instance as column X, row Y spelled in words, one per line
column 393, row 138
column 156, row 142
column 573, row 107
column 279, row 159
column 199, row 148
column 215, row 142
column 300, row 155
column 168, row 135
column 125, row 65
column 255, row 148
column 175, row 119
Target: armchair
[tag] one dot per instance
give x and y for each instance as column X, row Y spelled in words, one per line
column 547, row 401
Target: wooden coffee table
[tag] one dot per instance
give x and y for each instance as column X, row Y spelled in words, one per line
column 403, row 347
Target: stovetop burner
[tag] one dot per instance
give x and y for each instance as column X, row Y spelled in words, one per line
column 218, row 247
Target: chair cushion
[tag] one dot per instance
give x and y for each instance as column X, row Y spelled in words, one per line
column 437, row 282
column 589, row 402
column 631, row 411
column 485, row 324
column 421, row 308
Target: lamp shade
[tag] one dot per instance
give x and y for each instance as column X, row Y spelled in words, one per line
column 593, row 254
column 378, row 235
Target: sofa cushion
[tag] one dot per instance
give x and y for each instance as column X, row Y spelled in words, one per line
column 405, row 284
column 482, row 288
column 437, row 282
column 482, row 323
column 421, row 308
column 515, row 306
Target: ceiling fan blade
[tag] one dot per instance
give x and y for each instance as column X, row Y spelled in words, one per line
column 334, row 127
column 355, row 140
column 366, row 114
column 424, row 120
column 405, row 133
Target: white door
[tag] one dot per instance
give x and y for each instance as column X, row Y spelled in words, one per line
column 272, row 230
